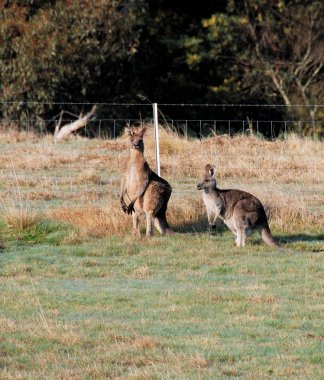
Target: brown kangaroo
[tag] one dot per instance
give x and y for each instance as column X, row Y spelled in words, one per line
column 242, row 212
column 143, row 190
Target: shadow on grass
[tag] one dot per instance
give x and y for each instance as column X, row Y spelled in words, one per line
column 303, row 238
column 199, row 226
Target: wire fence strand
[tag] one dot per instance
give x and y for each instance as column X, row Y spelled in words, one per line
column 111, row 126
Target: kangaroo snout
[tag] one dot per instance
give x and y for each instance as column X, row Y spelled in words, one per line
column 138, row 144
column 199, row 186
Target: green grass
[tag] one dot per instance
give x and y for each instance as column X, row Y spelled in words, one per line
column 188, row 306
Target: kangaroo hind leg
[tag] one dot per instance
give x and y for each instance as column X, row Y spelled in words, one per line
column 149, row 223
column 240, row 226
column 240, row 237
column 136, row 224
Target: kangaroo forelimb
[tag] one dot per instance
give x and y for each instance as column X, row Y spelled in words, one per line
column 130, row 208
column 124, row 206
column 141, row 191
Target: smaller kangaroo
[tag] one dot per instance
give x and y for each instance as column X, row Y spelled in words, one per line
column 143, row 189
column 242, row 212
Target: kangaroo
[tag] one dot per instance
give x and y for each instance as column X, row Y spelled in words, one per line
column 143, row 190
column 242, row 212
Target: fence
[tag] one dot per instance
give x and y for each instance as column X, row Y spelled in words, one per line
column 187, row 119
column 166, row 116
column 200, row 128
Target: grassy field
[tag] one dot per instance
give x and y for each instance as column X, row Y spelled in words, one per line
column 82, row 299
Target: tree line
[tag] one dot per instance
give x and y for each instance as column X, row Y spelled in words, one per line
column 165, row 51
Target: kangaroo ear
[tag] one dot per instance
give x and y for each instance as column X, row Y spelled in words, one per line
column 212, row 170
column 207, row 169
column 129, row 130
column 143, row 130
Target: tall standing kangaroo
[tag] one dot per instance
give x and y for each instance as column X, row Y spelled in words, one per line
column 143, row 190
column 242, row 212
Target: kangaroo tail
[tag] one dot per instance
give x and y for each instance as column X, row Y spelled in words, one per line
column 267, row 237
column 162, row 225
column 160, row 217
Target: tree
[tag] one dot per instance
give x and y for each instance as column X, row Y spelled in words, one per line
column 270, row 49
column 161, row 53
column 55, row 51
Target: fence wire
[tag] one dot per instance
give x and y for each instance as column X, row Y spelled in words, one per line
column 108, row 125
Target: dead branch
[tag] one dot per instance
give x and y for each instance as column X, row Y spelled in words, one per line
column 66, row 130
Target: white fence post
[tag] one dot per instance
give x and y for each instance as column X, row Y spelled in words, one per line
column 156, row 134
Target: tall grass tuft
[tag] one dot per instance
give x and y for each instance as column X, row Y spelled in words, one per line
column 95, row 221
column 20, row 217
column 15, row 209
column 292, row 214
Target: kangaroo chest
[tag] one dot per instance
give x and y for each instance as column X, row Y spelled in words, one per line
column 216, row 204
column 136, row 176
column 213, row 203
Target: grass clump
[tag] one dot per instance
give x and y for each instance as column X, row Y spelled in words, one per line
column 20, row 218
column 95, row 221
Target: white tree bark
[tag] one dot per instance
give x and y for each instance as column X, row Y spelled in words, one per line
column 66, row 130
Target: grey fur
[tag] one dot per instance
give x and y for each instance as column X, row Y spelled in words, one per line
column 242, row 212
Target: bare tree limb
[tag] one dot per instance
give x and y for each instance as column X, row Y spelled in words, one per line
column 279, row 86
column 66, row 130
column 58, row 124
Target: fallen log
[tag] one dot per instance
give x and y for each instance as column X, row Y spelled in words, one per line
column 66, row 130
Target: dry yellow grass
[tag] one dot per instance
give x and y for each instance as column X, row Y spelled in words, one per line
column 19, row 217
column 95, row 221
column 287, row 176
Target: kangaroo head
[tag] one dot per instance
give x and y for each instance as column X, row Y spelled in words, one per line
column 208, row 181
column 136, row 138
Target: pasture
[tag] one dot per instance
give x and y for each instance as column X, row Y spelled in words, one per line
column 81, row 298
